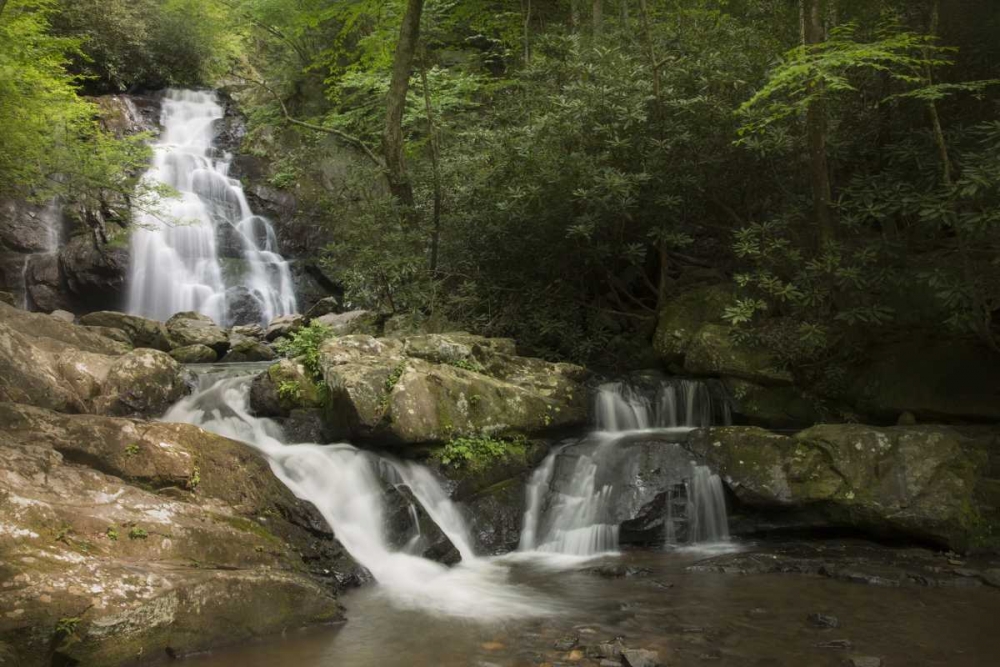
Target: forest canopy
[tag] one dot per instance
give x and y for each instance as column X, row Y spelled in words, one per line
column 559, row 171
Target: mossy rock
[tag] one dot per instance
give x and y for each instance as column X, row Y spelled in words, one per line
column 772, row 407
column 913, row 481
column 682, row 317
column 141, row 331
column 714, row 352
column 194, row 354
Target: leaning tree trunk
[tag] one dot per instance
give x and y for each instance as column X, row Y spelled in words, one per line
column 816, row 130
column 392, row 138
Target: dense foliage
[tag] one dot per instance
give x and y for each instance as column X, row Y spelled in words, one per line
column 571, row 171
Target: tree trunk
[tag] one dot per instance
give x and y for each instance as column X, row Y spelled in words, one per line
column 598, row 17
column 650, row 50
column 435, row 168
column 816, row 129
column 574, row 14
column 392, row 138
column 527, row 32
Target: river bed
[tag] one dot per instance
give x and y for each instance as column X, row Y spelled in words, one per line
column 720, row 612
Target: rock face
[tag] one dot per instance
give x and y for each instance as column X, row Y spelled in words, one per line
column 433, row 387
column 69, row 368
column 192, row 328
column 244, row 308
column 684, row 316
column 143, row 332
column 712, row 351
column 919, row 482
column 211, row 548
column 94, row 274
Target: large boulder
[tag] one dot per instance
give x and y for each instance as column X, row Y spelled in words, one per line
column 141, row 331
column 438, row 386
column 143, row 382
column 681, row 318
column 194, row 354
column 713, row 351
column 246, row 349
column 52, row 334
column 190, row 328
column 325, row 306
column 134, row 539
column 284, row 325
column 915, row 481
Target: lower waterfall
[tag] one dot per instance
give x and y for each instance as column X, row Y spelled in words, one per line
column 570, row 499
column 344, row 484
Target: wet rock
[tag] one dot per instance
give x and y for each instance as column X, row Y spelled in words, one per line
column 43, row 279
column 837, row 644
column 914, row 481
column 864, row 661
column 283, row 325
column 620, row 571
column 244, row 307
column 190, row 328
column 8, row 298
column 991, row 577
column 63, row 315
column 610, row 650
column 758, row 612
column 638, row 657
column 194, row 354
column 93, row 546
column 141, row 331
column 823, row 621
column 566, row 643
column 245, row 349
column 24, row 227
column 142, row 382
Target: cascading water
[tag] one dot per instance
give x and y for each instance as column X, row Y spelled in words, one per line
column 570, row 497
column 345, row 485
column 180, row 242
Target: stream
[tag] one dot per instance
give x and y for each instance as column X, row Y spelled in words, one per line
column 570, row 594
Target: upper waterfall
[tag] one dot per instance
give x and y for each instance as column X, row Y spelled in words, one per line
column 179, row 245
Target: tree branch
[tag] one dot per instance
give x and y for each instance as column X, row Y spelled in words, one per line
column 347, row 138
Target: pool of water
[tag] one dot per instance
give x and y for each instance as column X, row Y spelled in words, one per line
column 652, row 601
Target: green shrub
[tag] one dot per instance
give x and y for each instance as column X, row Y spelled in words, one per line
column 304, row 345
column 137, row 533
column 475, row 453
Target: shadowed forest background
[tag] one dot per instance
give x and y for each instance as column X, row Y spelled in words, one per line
column 559, row 172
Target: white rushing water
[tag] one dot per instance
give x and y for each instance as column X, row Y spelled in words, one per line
column 180, row 243
column 568, row 499
column 345, row 485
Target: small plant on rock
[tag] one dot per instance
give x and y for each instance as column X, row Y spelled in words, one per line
column 304, row 345
column 112, row 533
column 137, row 533
column 475, row 453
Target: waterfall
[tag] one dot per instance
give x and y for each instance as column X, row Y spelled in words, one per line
column 706, row 507
column 664, row 403
column 180, row 242
column 345, row 485
column 569, row 497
